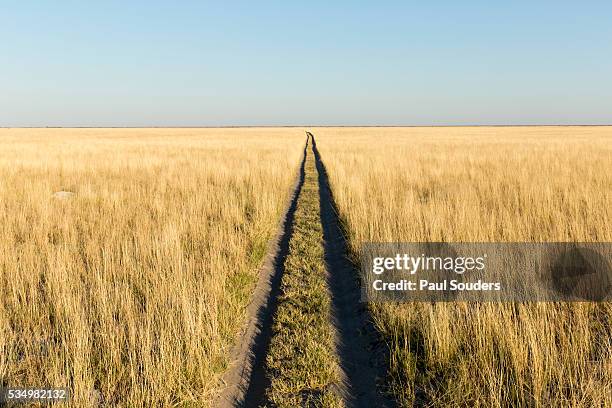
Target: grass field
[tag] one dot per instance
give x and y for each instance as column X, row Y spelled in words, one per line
column 131, row 291
column 483, row 184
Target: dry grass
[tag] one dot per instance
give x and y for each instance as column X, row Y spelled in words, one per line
column 133, row 289
column 483, row 184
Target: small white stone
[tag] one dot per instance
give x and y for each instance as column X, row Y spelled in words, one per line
column 63, row 195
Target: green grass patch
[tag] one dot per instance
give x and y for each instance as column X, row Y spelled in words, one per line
column 302, row 362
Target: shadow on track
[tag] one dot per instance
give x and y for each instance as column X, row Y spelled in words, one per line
column 357, row 342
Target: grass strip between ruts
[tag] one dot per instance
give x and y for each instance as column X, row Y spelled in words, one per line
column 302, row 362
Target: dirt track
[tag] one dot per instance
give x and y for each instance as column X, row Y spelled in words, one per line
column 359, row 351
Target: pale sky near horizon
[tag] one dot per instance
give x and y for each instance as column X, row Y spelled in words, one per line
column 189, row 63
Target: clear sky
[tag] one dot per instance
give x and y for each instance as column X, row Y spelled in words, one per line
column 152, row 63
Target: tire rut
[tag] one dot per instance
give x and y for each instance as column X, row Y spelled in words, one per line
column 246, row 380
column 359, row 348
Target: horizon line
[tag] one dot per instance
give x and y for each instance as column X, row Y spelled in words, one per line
column 303, row 126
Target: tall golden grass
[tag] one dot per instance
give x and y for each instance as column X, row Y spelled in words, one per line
column 483, row 184
column 131, row 291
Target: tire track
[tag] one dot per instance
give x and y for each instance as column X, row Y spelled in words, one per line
column 358, row 345
column 246, row 380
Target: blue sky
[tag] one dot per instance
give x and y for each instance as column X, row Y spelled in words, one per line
column 188, row 63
